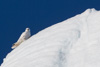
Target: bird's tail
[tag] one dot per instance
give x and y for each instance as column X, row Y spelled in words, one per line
column 15, row 45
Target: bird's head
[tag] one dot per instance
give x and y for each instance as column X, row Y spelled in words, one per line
column 27, row 29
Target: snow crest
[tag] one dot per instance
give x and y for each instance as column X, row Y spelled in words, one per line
column 72, row 43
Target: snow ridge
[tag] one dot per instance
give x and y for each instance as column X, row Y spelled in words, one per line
column 71, row 43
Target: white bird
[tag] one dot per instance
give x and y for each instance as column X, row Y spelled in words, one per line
column 24, row 36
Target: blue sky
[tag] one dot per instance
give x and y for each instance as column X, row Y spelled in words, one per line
column 16, row 15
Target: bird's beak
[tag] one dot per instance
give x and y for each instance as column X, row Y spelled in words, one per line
column 28, row 29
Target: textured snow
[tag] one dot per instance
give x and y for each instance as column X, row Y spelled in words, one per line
column 72, row 43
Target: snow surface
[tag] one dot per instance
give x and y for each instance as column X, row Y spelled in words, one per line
column 72, row 43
